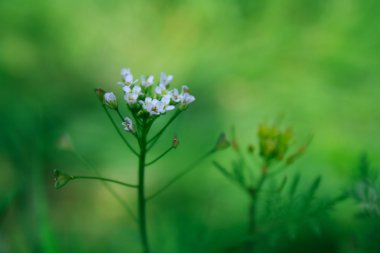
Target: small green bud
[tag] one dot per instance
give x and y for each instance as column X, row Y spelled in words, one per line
column 61, row 179
column 267, row 148
column 234, row 142
column 263, row 131
column 222, row 142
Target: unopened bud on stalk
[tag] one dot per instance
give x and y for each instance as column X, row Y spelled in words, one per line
column 100, row 94
column 61, row 179
column 222, row 142
column 110, row 100
column 175, row 142
column 234, row 142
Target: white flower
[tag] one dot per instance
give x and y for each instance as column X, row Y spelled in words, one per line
column 161, row 90
column 187, row 99
column 148, row 82
column 154, row 107
column 110, row 100
column 147, row 101
column 175, row 95
column 165, row 80
column 131, row 95
column 166, row 100
column 185, row 89
column 127, row 77
column 128, row 125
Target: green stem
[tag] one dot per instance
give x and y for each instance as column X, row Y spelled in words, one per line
column 183, row 173
column 229, row 176
column 251, row 224
column 141, row 188
column 119, row 131
column 119, row 113
column 155, row 138
column 108, row 187
column 160, row 156
column 106, row 179
column 252, row 208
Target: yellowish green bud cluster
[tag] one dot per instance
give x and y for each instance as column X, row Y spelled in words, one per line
column 273, row 142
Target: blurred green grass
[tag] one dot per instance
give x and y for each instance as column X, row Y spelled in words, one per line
column 314, row 63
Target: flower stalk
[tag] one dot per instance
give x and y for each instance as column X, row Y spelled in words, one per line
column 141, row 188
column 145, row 103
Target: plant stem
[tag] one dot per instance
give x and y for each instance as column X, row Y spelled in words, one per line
column 160, row 156
column 106, row 179
column 252, row 208
column 118, row 130
column 108, row 187
column 180, row 175
column 141, row 188
column 251, row 224
column 155, row 138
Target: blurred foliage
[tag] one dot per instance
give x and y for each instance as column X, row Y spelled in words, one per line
column 316, row 62
column 366, row 194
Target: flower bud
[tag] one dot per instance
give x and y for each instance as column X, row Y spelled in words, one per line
column 61, row 179
column 175, row 142
column 234, row 142
column 267, row 148
column 263, row 131
column 110, row 100
column 100, row 94
column 222, row 142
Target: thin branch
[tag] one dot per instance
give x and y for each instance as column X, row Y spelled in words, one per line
column 183, row 173
column 106, row 180
column 155, row 138
column 228, row 175
column 108, row 187
column 118, row 113
column 160, row 156
column 119, row 132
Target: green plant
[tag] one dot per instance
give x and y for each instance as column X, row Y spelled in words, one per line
column 274, row 154
column 365, row 191
column 145, row 105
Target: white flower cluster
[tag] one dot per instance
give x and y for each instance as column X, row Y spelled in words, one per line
column 153, row 101
column 144, row 99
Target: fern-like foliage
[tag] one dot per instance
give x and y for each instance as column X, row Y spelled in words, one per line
column 288, row 209
column 365, row 191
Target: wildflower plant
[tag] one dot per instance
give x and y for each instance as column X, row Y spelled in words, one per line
column 145, row 103
column 274, row 153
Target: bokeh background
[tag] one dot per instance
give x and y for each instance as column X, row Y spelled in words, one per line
column 310, row 64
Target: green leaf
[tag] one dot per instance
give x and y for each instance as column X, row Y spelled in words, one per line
column 294, row 185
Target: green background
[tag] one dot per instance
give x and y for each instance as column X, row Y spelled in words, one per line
column 312, row 64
